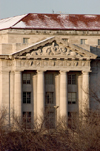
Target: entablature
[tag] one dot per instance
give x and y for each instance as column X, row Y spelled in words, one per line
column 53, row 64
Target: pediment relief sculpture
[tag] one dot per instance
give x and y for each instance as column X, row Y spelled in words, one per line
column 54, row 50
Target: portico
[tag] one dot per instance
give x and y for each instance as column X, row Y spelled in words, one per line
column 49, row 78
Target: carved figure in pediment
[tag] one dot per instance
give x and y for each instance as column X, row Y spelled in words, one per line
column 33, row 53
column 28, row 54
column 63, row 50
column 48, row 51
column 54, row 49
column 39, row 52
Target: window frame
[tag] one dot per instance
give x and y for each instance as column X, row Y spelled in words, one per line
column 48, row 102
column 27, row 119
column 25, row 40
column 50, row 119
column 99, row 42
column 82, row 41
column 48, row 78
column 75, row 99
column 66, row 40
column 26, row 99
column 71, row 80
column 26, row 80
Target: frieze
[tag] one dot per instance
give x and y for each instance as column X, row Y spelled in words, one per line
column 63, row 63
column 48, row 63
column 9, row 63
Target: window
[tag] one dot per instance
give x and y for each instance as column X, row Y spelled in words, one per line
column 83, row 41
column 72, row 79
column 65, row 40
column 72, row 98
column 26, row 78
column 49, row 78
column 49, row 98
column 25, row 40
column 27, row 120
column 98, row 41
column 50, row 119
column 72, row 119
column 27, row 97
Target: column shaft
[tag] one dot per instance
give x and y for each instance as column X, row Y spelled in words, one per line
column 5, row 95
column 40, row 95
column 18, row 94
column 85, row 91
column 63, row 94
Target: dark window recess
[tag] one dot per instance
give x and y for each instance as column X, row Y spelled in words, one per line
column 49, row 98
column 98, row 41
column 25, row 40
column 27, row 120
column 72, row 79
column 49, row 78
column 50, row 119
column 26, row 78
column 72, row 98
column 27, row 97
column 83, row 41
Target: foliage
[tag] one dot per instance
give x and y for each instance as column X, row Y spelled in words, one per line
column 82, row 134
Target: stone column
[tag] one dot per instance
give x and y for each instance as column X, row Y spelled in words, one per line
column 11, row 96
column 85, row 91
column 40, row 95
column 63, row 95
column 18, row 94
column 5, row 95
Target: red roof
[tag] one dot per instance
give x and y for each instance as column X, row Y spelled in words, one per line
column 54, row 21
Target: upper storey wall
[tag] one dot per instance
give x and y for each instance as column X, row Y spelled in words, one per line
column 20, row 39
column 3, row 38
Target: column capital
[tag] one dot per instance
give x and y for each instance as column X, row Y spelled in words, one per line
column 40, row 71
column 63, row 71
column 86, row 72
column 4, row 71
column 17, row 71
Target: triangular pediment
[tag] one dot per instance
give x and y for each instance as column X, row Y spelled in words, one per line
column 53, row 48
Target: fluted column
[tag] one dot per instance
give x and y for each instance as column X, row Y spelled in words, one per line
column 18, row 94
column 63, row 95
column 40, row 95
column 85, row 91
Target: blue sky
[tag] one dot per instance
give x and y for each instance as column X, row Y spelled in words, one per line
column 10, row 8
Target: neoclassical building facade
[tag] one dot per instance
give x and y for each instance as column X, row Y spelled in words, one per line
column 48, row 64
